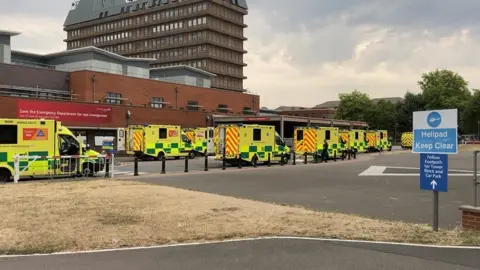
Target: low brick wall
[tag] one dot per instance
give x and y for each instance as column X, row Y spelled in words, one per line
column 470, row 218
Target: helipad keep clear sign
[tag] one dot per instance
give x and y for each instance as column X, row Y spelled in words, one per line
column 435, row 132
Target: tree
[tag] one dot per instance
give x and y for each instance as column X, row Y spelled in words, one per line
column 383, row 116
column 471, row 114
column 404, row 110
column 354, row 106
column 444, row 89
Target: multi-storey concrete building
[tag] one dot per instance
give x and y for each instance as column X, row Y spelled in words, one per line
column 204, row 34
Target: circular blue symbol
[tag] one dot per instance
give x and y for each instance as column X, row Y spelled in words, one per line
column 434, row 119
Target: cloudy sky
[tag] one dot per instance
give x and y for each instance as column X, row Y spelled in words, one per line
column 306, row 52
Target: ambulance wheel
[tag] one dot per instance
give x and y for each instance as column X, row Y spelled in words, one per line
column 285, row 159
column 5, row 175
column 88, row 169
column 191, row 155
column 160, row 156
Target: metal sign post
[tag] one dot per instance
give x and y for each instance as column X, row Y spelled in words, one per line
column 434, row 138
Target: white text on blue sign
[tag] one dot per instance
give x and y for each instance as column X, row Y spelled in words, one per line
column 435, row 141
column 433, row 167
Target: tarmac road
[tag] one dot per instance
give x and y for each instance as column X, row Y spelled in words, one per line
column 126, row 167
column 337, row 187
column 259, row 254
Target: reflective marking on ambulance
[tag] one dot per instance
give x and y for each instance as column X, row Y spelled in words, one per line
column 231, row 141
column 137, row 140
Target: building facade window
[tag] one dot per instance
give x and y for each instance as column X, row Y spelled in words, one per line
column 248, row 110
column 222, row 108
column 156, row 102
column 113, row 98
column 193, row 106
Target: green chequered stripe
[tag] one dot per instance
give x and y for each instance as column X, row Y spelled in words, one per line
column 3, row 157
column 261, row 152
column 161, row 146
column 39, row 153
column 23, row 165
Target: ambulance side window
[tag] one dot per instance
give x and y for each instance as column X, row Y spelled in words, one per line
column 206, row 134
column 68, row 145
column 327, row 135
column 257, row 134
column 279, row 141
column 8, row 134
column 162, row 133
column 381, row 135
column 185, row 138
column 299, row 135
column 210, row 133
column 356, row 135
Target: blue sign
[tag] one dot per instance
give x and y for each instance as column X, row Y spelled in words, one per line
column 434, row 172
column 434, row 119
column 435, row 132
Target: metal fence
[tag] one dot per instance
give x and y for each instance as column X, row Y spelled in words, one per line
column 63, row 166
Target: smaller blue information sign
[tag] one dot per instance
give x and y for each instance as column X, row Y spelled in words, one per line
column 434, row 172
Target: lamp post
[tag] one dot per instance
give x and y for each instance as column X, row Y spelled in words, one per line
column 128, row 115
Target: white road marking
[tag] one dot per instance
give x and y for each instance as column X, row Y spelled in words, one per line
column 246, row 240
column 373, row 171
column 380, row 171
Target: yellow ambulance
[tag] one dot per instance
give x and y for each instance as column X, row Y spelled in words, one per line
column 310, row 140
column 251, row 144
column 149, row 142
column 354, row 140
column 407, row 140
column 377, row 140
column 52, row 148
column 202, row 139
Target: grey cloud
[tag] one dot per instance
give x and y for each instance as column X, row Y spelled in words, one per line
column 54, row 8
column 336, row 27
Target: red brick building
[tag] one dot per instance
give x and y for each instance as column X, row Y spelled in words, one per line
column 89, row 86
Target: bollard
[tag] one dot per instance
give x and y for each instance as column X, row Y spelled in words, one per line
column 239, row 162
column 349, row 154
column 186, row 164
column 107, row 167
column 354, row 155
column 315, row 158
column 294, row 158
column 135, row 167
column 282, row 161
column 223, row 159
column 343, row 155
column 255, row 161
column 305, row 160
column 206, row 161
column 163, row 165
column 268, row 162
column 335, row 156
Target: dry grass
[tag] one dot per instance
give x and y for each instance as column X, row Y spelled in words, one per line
column 468, row 147
column 48, row 217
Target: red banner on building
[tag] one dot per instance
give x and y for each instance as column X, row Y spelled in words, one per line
column 64, row 111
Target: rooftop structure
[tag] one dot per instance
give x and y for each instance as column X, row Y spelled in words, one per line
column 5, row 47
column 333, row 104
column 204, row 34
